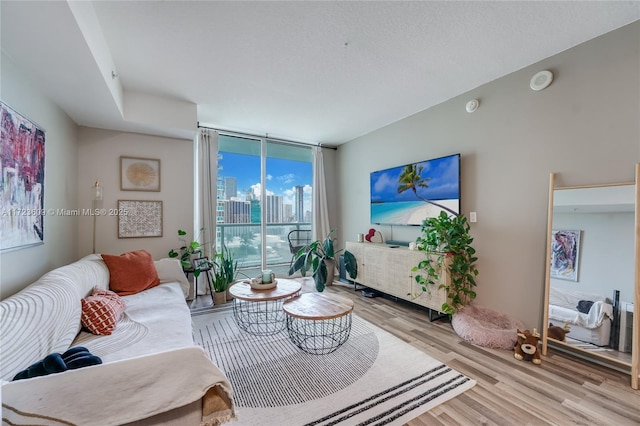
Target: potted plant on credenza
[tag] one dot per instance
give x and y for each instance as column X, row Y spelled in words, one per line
column 446, row 238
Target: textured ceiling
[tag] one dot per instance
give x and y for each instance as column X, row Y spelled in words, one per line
column 323, row 71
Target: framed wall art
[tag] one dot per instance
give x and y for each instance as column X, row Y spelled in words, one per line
column 565, row 254
column 139, row 174
column 22, row 163
column 139, row 219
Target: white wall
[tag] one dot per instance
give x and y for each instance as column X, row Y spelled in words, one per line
column 21, row 267
column 584, row 127
column 606, row 258
column 99, row 154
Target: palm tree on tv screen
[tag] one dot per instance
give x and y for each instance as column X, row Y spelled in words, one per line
column 411, row 178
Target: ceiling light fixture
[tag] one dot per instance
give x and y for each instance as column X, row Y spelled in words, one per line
column 541, row 80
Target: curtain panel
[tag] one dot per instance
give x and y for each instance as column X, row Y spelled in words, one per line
column 319, row 206
column 205, row 193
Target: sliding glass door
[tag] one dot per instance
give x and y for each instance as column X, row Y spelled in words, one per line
column 287, row 199
column 263, row 192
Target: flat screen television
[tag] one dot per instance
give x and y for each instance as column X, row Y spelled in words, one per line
column 406, row 195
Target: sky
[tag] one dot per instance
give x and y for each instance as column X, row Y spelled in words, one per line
column 443, row 184
column 282, row 176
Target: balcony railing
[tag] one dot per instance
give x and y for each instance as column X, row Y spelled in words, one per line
column 245, row 244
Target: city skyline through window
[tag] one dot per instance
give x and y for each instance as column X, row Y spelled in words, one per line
column 241, row 174
column 241, row 209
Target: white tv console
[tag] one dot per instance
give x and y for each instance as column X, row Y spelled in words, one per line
column 387, row 269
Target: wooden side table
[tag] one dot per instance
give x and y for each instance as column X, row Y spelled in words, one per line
column 259, row 312
column 318, row 323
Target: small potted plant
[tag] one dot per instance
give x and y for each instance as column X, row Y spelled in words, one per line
column 187, row 252
column 448, row 238
column 319, row 257
column 219, row 281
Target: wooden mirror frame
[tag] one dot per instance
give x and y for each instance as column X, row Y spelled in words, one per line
column 635, row 346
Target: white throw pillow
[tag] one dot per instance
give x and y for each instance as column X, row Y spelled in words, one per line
column 170, row 270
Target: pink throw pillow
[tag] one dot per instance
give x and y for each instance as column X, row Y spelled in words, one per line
column 101, row 311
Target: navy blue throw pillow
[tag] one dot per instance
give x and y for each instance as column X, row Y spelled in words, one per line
column 76, row 357
column 52, row 363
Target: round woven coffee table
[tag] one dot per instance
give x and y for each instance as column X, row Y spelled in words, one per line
column 318, row 323
column 260, row 312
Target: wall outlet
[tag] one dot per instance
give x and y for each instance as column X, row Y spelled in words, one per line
column 473, row 218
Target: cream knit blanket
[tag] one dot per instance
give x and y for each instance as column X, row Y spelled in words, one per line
column 120, row 392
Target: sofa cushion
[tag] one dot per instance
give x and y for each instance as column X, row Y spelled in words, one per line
column 145, row 328
column 101, row 311
column 131, row 272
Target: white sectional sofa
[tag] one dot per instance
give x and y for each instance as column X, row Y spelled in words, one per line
column 151, row 371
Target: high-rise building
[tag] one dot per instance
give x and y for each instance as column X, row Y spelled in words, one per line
column 230, row 188
column 299, row 203
column 288, row 213
column 255, row 210
column 274, row 209
column 236, row 211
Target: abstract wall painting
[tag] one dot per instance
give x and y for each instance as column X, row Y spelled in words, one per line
column 565, row 254
column 22, row 181
column 139, row 218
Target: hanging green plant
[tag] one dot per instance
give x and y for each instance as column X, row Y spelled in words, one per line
column 448, row 239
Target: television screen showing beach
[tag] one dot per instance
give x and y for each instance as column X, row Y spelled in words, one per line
column 406, row 195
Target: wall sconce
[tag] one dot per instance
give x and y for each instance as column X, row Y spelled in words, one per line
column 97, row 192
column 96, row 198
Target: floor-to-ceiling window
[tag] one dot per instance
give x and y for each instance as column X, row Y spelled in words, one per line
column 263, row 191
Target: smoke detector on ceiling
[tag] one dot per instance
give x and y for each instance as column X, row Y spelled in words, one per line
column 541, row 80
column 473, row 105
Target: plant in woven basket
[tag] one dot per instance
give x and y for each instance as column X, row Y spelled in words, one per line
column 224, row 268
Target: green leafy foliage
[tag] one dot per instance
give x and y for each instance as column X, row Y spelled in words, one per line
column 313, row 257
column 224, row 270
column 186, row 251
column 448, row 238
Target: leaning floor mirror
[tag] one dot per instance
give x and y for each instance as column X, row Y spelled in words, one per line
column 592, row 273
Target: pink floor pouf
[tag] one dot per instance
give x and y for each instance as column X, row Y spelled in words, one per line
column 486, row 327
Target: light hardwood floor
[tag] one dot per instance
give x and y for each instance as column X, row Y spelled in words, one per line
column 563, row 390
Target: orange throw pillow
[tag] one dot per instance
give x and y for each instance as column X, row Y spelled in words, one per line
column 101, row 311
column 132, row 272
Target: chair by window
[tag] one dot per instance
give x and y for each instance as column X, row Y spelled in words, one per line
column 298, row 238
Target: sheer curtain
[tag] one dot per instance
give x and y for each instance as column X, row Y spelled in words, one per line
column 205, row 192
column 320, row 216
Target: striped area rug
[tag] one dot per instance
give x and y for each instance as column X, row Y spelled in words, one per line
column 374, row 378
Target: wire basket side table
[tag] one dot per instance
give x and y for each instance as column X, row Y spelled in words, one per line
column 259, row 312
column 318, row 323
